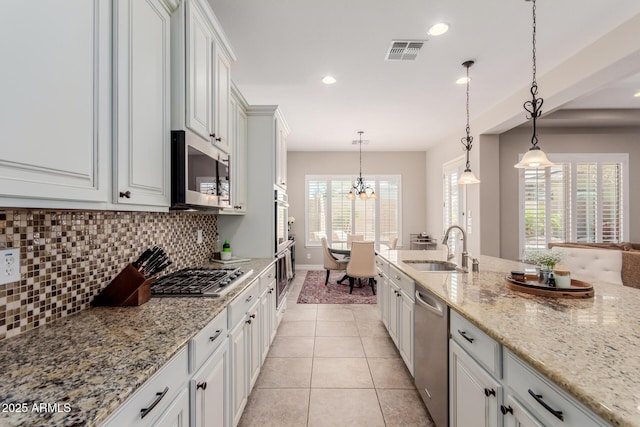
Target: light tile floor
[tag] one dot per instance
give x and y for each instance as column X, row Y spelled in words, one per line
column 333, row 365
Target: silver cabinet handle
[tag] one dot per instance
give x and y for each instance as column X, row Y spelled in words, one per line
column 249, row 299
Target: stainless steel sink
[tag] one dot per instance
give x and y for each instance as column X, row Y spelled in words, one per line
column 432, row 265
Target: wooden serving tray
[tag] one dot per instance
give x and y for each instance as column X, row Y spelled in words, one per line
column 578, row 289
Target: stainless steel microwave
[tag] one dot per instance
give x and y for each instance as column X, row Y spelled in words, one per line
column 200, row 175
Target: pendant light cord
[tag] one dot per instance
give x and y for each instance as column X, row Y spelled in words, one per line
column 534, row 106
column 467, row 140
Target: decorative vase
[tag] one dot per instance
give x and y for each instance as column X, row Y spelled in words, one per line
column 543, row 275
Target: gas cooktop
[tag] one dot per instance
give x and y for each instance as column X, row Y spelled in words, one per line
column 209, row 282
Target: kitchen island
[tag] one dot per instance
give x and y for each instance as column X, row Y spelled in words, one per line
column 588, row 347
column 83, row 367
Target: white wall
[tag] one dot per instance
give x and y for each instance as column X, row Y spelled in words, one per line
column 410, row 165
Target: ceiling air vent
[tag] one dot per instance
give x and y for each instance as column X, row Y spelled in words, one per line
column 404, row 50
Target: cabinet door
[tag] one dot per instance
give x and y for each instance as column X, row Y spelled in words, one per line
column 474, row 396
column 406, row 330
column 55, row 112
column 142, row 97
column 210, row 390
column 177, row 414
column 239, row 370
column 222, row 99
column 281, row 155
column 265, row 326
column 253, row 344
column 199, row 74
column 273, row 314
column 240, row 161
column 394, row 312
column 515, row 415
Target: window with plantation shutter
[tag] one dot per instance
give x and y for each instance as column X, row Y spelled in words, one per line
column 332, row 215
column 582, row 198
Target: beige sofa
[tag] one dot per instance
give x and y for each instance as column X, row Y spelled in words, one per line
column 612, row 262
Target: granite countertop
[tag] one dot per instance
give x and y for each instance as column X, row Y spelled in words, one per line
column 96, row 359
column 588, row 347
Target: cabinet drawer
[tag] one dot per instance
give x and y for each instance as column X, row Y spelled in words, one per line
column 403, row 281
column 382, row 265
column 242, row 303
column 561, row 409
column 267, row 278
column 155, row 395
column 480, row 345
column 208, row 340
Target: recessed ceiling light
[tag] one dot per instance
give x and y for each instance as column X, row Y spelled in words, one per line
column 438, row 29
column 637, row 94
column 329, row 80
column 463, row 80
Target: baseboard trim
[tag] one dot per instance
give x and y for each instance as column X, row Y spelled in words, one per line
column 309, row 267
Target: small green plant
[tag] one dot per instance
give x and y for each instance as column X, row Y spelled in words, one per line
column 546, row 259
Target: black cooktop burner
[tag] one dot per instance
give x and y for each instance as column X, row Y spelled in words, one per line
column 198, row 281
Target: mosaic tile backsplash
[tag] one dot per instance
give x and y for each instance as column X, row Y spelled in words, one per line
column 67, row 257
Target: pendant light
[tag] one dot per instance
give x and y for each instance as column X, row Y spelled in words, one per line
column 534, row 158
column 467, row 176
column 359, row 187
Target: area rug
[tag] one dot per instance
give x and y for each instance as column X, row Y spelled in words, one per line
column 315, row 292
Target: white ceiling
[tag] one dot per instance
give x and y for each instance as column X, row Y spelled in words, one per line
column 285, row 47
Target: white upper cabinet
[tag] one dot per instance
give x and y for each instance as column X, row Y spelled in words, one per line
column 202, row 74
column 142, row 98
column 238, row 141
column 282, row 131
column 222, row 100
column 55, row 107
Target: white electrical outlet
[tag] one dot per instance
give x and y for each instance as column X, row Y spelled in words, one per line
column 9, row 265
column 199, row 237
column 308, row 256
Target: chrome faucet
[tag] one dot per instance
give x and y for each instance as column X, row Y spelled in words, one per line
column 465, row 255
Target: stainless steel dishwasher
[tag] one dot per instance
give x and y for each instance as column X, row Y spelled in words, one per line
column 432, row 354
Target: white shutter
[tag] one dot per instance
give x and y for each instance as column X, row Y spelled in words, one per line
column 582, row 199
column 365, row 216
column 558, row 216
column 316, row 210
column 389, row 209
column 586, row 202
column 534, row 208
column 341, row 211
column 611, row 203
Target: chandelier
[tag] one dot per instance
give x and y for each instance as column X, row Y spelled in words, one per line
column 535, row 157
column 467, row 176
column 360, row 189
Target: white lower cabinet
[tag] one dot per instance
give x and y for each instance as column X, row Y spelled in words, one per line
column 254, row 318
column 546, row 401
column 392, row 325
column 401, row 319
column 153, row 403
column 239, row 370
column 475, row 396
column 490, row 386
column 210, row 390
column 177, row 414
column 516, row 415
column 226, row 366
column 406, row 314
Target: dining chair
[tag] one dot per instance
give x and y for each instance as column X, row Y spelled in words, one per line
column 330, row 261
column 362, row 264
column 394, row 243
column 354, row 238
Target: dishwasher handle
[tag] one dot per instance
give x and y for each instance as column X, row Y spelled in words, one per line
column 431, row 303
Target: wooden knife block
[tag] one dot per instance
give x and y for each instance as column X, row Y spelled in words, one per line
column 128, row 288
